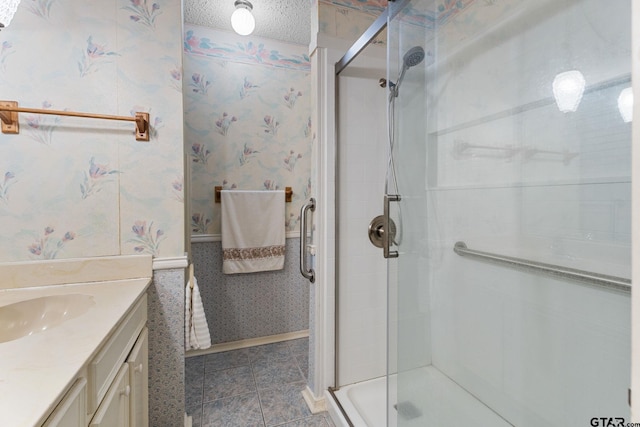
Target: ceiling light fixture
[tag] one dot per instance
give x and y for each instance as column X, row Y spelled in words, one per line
column 242, row 20
column 7, row 10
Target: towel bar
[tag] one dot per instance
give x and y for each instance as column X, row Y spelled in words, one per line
column 288, row 192
column 9, row 116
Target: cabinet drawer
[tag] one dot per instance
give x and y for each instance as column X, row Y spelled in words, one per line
column 114, row 409
column 104, row 367
column 71, row 410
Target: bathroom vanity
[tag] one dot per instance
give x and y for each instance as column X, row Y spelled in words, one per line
column 74, row 342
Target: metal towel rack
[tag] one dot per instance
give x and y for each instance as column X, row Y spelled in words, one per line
column 288, row 193
column 601, row 280
column 9, row 116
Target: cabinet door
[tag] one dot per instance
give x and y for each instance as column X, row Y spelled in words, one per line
column 71, row 412
column 114, row 409
column 139, row 378
column 104, row 366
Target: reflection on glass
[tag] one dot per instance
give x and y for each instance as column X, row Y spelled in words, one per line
column 485, row 152
column 625, row 104
column 568, row 88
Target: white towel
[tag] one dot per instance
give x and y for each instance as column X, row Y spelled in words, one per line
column 196, row 329
column 253, row 233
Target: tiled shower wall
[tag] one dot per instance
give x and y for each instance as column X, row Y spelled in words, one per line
column 242, row 306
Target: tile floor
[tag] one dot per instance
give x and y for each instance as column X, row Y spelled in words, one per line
column 255, row 386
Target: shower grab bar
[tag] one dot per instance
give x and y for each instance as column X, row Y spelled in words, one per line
column 308, row 273
column 601, row 280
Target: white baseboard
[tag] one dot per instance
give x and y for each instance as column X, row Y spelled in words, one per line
column 315, row 405
column 250, row 342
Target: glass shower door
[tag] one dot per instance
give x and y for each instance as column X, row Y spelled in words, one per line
column 511, row 138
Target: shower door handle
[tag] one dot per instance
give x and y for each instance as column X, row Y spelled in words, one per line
column 386, row 236
column 308, row 273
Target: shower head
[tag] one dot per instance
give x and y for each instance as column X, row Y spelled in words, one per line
column 411, row 58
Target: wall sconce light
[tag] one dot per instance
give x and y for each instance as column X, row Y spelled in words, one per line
column 625, row 104
column 242, row 20
column 568, row 88
column 7, row 10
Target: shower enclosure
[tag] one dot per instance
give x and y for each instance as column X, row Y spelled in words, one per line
column 362, row 300
column 509, row 301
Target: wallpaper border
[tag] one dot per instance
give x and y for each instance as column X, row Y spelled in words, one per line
column 199, row 41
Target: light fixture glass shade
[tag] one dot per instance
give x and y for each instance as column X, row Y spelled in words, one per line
column 568, row 88
column 625, row 104
column 7, row 10
column 242, row 20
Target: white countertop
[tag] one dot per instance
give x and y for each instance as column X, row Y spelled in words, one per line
column 36, row 370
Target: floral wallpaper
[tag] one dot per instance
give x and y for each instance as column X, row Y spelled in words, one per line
column 72, row 187
column 247, row 120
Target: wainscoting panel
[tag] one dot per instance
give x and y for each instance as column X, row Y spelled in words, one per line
column 166, row 348
column 242, row 306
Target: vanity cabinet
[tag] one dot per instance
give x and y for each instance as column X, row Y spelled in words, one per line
column 114, row 409
column 139, row 379
column 112, row 390
column 71, row 412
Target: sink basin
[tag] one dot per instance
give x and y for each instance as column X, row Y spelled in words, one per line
column 36, row 315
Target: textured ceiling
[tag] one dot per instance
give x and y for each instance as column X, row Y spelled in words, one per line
column 287, row 20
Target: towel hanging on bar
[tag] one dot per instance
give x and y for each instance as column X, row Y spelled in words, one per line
column 196, row 334
column 253, row 233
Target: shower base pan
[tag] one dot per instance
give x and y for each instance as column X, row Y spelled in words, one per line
column 433, row 400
